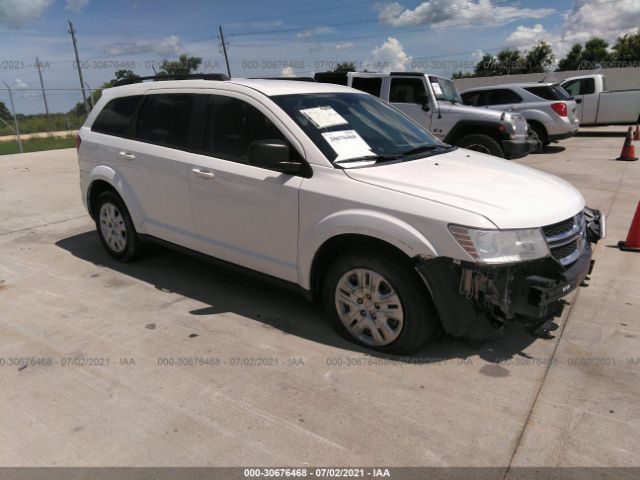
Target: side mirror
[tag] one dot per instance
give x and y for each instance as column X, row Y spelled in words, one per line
column 272, row 155
column 578, row 100
column 423, row 99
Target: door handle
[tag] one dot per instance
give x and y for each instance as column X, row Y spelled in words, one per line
column 127, row 155
column 203, row 173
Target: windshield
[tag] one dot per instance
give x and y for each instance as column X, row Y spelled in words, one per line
column 348, row 126
column 445, row 90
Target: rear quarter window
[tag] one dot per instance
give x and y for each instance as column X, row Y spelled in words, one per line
column 546, row 93
column 372, row 85
column 116, row 117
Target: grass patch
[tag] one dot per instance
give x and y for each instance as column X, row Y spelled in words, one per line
column 38, row 123
column 37, row 145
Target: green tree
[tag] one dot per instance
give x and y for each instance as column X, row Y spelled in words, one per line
column 508, row 62
column 183, row 66
column 539, row 58
column 345, row 67
column 486, row 67
column 572, row 60
column 123, row 75
column 5, row 114
column 627, row 48
column 595, row 53
column 461, row 74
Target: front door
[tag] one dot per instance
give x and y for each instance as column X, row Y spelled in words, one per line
column 244, row 214
column 408, row 94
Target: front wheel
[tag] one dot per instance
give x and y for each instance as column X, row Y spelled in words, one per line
column 377, row 301
column 481, row 143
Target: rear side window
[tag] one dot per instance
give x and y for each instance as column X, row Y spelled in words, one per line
column 547, row 93
column 115, row 118
column 369, row 85
column 502, row 96
column 164, row 119
column 472, row 98
column 231, row 125
column 407, row 90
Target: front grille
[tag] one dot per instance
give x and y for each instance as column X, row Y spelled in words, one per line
column 566, row 239
column 521, row 127
column 564, row 251
column 559, row 228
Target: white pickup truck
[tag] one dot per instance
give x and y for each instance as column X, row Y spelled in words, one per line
column 599, row 106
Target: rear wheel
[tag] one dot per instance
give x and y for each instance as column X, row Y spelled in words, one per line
column 481, row 143
column 541, row 133
column 377, row 301
column 115, row 227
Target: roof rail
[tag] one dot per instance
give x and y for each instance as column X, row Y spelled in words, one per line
column 299, row 79
column 160, row 78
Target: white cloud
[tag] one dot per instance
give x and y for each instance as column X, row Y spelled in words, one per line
column 287, row 72
column 15, row 13
column 477, row 55
column 443, row 13
column 312, row 32
column 588, row 19
column 19, row 83
column 343, row 46
column 523, row 37
column 389, row 57
column 167, row 46
column 76, row 6
column 585, row 20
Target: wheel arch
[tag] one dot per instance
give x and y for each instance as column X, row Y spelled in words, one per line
column 347, row 230
column 104, row 178
column 464, row 128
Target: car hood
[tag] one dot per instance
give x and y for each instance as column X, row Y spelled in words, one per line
column 508, row 194
column 467, row 111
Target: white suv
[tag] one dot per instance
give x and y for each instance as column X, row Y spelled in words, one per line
column 332, row 191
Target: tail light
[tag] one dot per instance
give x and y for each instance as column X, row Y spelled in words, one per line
column 560, row 108
column 78, row 141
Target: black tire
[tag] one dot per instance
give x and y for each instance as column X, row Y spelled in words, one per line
column 419, row 318
column 541, row 132
column 130, row 243
column 481, row 143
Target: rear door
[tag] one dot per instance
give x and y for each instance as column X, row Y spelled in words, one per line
column 409, row 95
column 156, row 164
column 503, row 99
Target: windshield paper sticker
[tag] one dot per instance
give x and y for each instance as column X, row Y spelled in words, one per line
column 436, row 88
column 324, row 117
column 348, row 144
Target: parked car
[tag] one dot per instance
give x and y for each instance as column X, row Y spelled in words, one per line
column 434, row 102
column 334, row 193
column 549, row 110
column 599, row 106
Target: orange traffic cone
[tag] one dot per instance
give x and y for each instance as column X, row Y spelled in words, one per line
column 636, row 134
column 628, row 150
column 632, row 243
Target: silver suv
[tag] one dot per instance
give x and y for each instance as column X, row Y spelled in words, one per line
column 548, row 108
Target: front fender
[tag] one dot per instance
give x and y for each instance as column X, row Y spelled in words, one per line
column 370, row 223
column 113, row 178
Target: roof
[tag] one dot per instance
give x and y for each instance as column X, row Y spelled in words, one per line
column 267, row 87
column 511, row 85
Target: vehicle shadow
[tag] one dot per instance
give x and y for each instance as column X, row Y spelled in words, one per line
column 225, row 290
column 550, row 149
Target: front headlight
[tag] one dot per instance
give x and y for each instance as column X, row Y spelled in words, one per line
column 501, row 246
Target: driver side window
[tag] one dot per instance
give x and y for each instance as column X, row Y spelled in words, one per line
column 407, row 90
column 231, row 125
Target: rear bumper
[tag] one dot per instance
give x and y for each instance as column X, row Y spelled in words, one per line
column 562, row 136
column 518, row 148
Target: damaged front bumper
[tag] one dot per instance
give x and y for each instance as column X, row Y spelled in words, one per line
column 475, row 300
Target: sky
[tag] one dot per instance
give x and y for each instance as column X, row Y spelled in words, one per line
column 279, row 37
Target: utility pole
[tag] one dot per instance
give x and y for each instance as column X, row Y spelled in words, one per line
column 15, row 119
column 72, row 31
column 44, row 94
column 224, row 50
